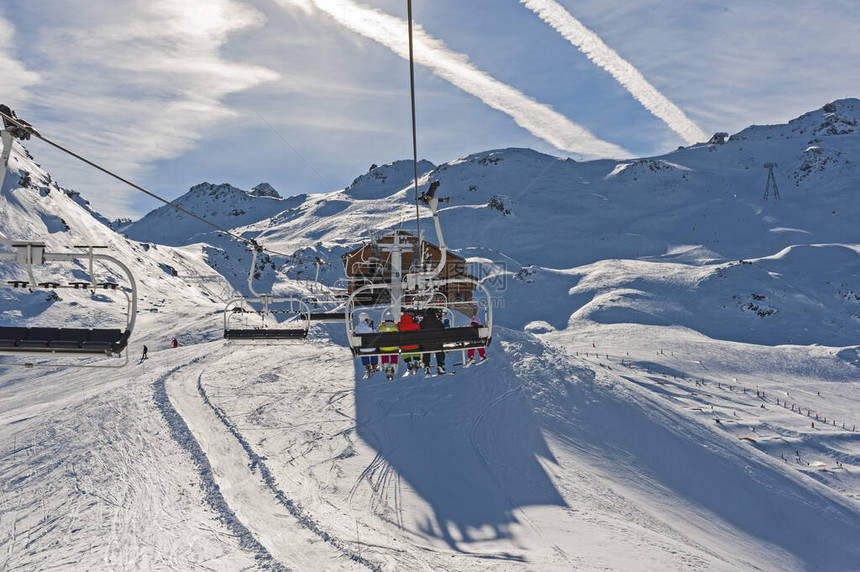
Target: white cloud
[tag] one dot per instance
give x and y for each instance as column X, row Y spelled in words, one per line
column 537, row 118
column 623, row 71
column 734, row 63
column 14, row 76
column 130, row 85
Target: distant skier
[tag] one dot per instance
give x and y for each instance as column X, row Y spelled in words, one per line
column 389, row 362
column 412, row 361
column 145, row 350
column 364, row 327
column 175, row 342
column 432, row 322
column 475, row 323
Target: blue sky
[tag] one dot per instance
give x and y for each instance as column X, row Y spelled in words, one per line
column 307, row 94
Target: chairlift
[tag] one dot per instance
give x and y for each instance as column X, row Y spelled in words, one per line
column 63, row 340
column 417, row 292
column 418, row 287
column 298, row 313
column 456, row 337
column 238, row 309
column 326, row 302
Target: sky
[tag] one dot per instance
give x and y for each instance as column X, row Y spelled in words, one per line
column 307, row 94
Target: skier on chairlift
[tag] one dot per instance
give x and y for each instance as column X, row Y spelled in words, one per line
column 482, row 353
column 364, row 327
column 389, row 362
column 412, row 361
column 433, row 322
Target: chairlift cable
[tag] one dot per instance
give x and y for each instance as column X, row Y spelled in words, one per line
column 414, row 131
column 247, row 241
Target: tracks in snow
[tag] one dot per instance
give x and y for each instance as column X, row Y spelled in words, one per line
column 268, row 522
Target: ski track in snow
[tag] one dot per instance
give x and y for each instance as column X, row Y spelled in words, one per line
column 183, row 434
column 272, row 521
column 258, row 463
column 88, row 484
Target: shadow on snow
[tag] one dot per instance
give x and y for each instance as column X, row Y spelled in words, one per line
column 468, row 444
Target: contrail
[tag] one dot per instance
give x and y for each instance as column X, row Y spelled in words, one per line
column 537, row 118
column 623, row 71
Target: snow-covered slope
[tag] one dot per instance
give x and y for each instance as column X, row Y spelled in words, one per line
column 41, row 210
column 673, row 384
column 381, row 180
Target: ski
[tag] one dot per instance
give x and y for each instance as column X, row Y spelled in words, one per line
column 437, row 374
column 470, row 363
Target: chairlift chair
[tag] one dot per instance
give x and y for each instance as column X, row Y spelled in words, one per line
column 456, row 337
column 326, row 302
column 296, row 328
column 50, row 342
column 421, row 289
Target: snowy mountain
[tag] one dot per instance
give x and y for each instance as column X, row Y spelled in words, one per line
column 673, row 383
column 223, row 205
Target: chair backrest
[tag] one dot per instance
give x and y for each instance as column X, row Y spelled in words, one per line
column 73, row 335
column 12, row 333
column 42, row 334
column 105, row 335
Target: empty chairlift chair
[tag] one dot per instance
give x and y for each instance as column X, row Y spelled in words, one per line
column 237, row 311
column 82, row 342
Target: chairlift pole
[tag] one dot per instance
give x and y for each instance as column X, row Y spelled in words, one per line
column 396, row 259
column 257, row 249
column 7, row 150
column 317, row 276
column 771, row 182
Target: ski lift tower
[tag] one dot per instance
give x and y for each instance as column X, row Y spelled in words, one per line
column 771, row 182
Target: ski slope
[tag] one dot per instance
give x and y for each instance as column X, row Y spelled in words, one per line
column 673, row 384
column 539, row 459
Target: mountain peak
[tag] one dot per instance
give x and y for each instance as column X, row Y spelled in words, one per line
column 220, row 204
column 840, row 117
column 265, row 190
column 380, row 180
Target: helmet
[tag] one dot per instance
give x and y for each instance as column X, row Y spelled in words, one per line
column 363, row 317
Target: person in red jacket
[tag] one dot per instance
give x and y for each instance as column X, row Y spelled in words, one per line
column 412, row 361
column 475, row 323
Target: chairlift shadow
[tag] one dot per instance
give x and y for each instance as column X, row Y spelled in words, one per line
column 468, row 444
